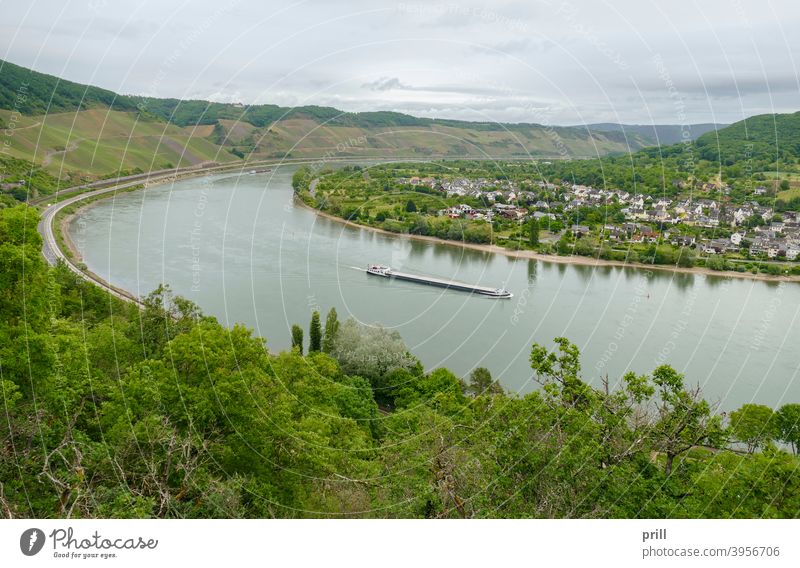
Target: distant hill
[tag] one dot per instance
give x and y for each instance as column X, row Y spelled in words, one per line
column 30, row 93
column 658, row 134
column 75, row 130
column 765, row 137
column 79, row 132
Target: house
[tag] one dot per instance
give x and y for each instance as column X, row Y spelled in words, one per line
column 736, row 239
column 716, row 246
column 682, row 240
column 614, row 233
column 579, row 230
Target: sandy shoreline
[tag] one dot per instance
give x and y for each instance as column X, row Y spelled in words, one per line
column 63, row 227
column 577, row 260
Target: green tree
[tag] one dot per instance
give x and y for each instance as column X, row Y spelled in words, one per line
column 371, row 352
column 788, row 425
column 481, row 382
column 753, row 425
column 411, row 207
column 164, row 317
column 686, row 257
column 297, row 338
column 314, row 333
column 29, row 298
column 331, row 331
column 559, row 373
column 684, row 419
column 563, row 246
column 533, row 234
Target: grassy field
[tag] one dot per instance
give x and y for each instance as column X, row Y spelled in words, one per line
column 98, row 142
column 305, row 137
column 789, row 194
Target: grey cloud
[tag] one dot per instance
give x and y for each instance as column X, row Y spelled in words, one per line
column 385, row 84
column 467, row 59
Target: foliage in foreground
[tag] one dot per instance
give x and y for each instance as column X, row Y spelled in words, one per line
column 115, row 412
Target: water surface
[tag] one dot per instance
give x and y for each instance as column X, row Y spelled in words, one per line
column 238, row 247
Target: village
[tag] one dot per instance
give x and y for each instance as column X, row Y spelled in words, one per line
column 749, row 229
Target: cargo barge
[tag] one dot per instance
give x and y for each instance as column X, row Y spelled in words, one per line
column 387, row 272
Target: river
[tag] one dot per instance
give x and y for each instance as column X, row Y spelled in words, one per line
column 238, row 247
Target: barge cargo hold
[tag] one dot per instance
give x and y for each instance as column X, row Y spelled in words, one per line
column 387, row 272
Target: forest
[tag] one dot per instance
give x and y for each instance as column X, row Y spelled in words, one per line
column 161, row 412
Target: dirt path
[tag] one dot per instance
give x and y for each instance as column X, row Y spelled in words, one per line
column 71, row 147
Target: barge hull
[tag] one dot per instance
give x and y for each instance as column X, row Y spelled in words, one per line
column 441, row 283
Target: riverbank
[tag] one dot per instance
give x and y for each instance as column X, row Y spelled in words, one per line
column 574, row 259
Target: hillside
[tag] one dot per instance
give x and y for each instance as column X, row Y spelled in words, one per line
column 77, row 131
column 765, row 137
column 658, row 134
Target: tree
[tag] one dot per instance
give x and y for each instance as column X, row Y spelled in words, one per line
column 481, row 382
column 297, row 338
column 784, row 185
column 314, row 333
column 563, row 246
column 331, row 331
column 371, row 352
column 686, row 257
column 753, row 424
column 684, row 419
column 787, row 421
column 533, row 237
column 411, row 207
column 559, row 373
column 164, row 317
column 28, row 298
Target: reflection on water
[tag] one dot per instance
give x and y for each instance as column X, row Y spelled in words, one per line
column 238, row 248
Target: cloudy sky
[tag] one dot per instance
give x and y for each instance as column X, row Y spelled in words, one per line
column 546, row 61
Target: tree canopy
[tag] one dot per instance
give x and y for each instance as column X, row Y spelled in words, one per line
column 113, row 411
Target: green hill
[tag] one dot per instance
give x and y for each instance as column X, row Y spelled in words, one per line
column 765, row 137
column 76, row 132
column 659, row 134
column 31, row 93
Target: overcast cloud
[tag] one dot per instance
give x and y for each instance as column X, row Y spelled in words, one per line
column 542, row 61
